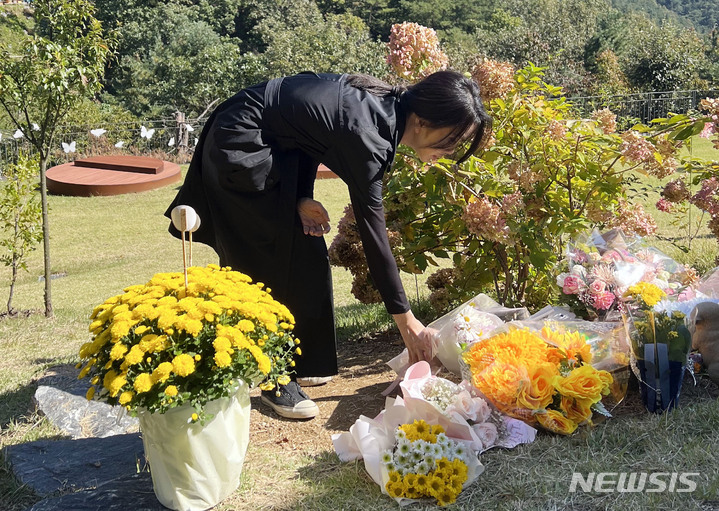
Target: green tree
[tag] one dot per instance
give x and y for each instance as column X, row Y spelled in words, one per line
column 45, row 76
column 178, row 62
column 666, row 57
column 305, row 40
column 20, row 217
column 549, row 33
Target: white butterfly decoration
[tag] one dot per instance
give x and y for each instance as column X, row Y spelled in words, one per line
column 98, row 132
column 120, row 144
column 189, row 128
column 68, row 148
column 196, row 140
column 35, row 127
column 145, row 133
column 171, row 142
column 18, row 134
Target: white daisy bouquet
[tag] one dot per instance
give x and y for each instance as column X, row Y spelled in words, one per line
column 425, row 462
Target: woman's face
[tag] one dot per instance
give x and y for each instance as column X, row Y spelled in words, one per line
column 431, row 143
column 428, row 142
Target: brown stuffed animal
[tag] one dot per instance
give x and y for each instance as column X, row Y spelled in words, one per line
column 704, row 327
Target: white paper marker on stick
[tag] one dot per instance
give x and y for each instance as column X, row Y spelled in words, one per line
column 185, row 219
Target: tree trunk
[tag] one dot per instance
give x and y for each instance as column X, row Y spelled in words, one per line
column 45, row 234
column 13, row 279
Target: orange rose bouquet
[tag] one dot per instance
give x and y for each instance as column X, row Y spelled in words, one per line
column 541, row 376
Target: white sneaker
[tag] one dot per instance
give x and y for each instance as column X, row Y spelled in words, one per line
column 313, row 381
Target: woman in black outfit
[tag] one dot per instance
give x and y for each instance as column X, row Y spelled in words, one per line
column 251, row 181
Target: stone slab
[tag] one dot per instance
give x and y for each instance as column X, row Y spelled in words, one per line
column 133, row 492
column 51, row 466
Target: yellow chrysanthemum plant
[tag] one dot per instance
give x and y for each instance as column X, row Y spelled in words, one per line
column 542, row 377
column 161, row 345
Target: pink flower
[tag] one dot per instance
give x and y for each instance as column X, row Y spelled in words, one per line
column 597, row 287
column 579, row 256
column 487, row 433
column 467, row 406
column 603, row 301
column 664, row 205
column 572, row 285
column 708, row 130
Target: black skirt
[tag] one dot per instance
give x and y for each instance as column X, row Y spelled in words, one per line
column 245, row 190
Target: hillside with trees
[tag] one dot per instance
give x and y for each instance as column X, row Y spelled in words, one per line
column 183, row 55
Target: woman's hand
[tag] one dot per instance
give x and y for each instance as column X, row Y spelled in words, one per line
column 415, row 337
column 314, row 217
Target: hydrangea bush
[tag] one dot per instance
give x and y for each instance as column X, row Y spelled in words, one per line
column 505, row 216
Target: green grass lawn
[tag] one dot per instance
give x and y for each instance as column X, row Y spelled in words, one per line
column 100, row 245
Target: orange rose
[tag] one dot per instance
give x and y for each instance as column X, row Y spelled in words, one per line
column 555, row 422
column 540, row 391
column 577, row 410
column 582, row 383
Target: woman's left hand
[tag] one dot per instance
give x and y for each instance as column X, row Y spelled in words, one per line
column 314, row 217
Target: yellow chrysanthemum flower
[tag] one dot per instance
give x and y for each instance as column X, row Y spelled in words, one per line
column 171, row 391
column 90, row 393
column 118, row 351
column 162, row 372
column 183, row 365
column 222, row 344
column 135, row 355
column 222, row 359
column 143, row 383
column 125, row 397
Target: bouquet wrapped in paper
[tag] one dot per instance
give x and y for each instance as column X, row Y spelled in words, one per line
column 601, row 267
column 425, row 442
column 553, row 374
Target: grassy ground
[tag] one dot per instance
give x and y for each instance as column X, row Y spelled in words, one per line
column 102, row 244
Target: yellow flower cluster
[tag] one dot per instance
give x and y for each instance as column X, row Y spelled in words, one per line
column 160, row 344
column 647, row 292
column 543, row 377
column 425, row 463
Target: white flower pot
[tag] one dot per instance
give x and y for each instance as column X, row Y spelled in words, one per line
column 195, row 466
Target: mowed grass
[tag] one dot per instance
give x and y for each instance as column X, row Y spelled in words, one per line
column 100, row 245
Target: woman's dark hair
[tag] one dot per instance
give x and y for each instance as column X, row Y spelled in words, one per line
column 444, row 98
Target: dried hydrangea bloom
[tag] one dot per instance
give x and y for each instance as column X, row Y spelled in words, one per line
column 664, row 205
column 495, row 79
column 706, row 198
column 556, row 130
column 635, row 147
column 486, row 220
column 710, row 105
column 606, row 119
column 632, row 218
column 414, row 51
column 676, row 191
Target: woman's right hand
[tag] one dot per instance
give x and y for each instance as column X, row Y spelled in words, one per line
column 416, row 337
column 314, row 217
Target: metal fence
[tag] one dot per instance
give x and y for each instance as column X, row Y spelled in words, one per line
column 169, row 139
column 174, row 139
column 644, row 106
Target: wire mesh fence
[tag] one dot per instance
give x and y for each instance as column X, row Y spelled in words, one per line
column 167, row 139
column 644, row 106
column 175, row 138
